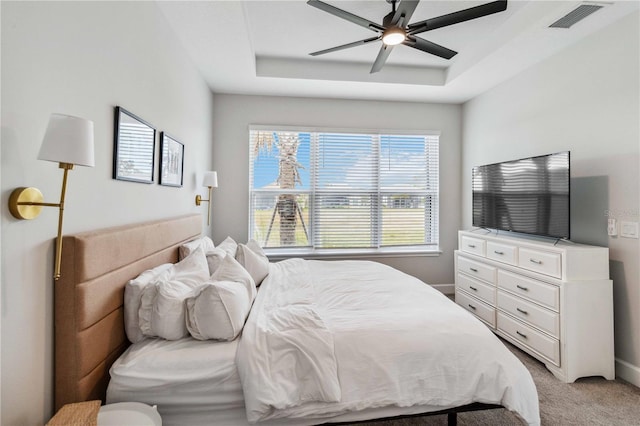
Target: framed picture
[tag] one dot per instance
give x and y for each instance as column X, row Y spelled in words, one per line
column 133, row 148
column 171, row 160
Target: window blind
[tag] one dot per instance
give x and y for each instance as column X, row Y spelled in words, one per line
column 343, row 190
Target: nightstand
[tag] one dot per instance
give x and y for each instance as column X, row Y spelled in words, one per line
column 79, row 413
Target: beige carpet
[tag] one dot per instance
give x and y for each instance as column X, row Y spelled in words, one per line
column 588, row 401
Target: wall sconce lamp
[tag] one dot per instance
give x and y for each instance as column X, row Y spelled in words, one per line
column 210, row 180
column 67, row 141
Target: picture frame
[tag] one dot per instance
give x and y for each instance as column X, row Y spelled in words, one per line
column 171, row 161
column 134, row 148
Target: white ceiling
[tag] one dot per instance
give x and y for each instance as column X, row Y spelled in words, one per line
column 262, row 47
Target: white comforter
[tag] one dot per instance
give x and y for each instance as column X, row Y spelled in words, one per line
column 324, row 338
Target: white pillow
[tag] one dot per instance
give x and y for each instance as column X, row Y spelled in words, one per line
column 217, row 310
column 214, row 254
column 193, row 268
column 231, row 270
column 186, row 249
column 252, row 258
column 132, row 294
column 161, row 311
column 165, row 315
column 214, row 259
column 229, row 245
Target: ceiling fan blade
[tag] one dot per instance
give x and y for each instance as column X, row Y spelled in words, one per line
column 346, row 15
column 406, row 9
column 385, row 50
column 457, row 17
column 429, row 47
column 345, row 46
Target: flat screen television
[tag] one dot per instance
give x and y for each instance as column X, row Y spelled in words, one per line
column 529, row 195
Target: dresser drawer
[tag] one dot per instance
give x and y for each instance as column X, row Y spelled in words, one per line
column 544, row 262
column 502, row 252
column 480, row 309
column 477, row 269
column 472, row 245
column 544, row 345
column 545, row 294
column 477, row 288
column 541, row 318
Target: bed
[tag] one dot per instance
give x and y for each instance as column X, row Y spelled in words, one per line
column 213, row 382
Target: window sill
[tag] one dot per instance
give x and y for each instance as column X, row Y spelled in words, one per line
column 281, row 254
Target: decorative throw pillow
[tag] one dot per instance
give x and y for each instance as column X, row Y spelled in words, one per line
column 217, row 310
column 229, row 245
column 215, row 258
column 161, row 311
column 231, row 270
column 254, row 260
column 166, row 316
column 186, row 249
column 193, row 268
column 132, row 295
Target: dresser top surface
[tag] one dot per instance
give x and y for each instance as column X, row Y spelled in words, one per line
column 525, row 240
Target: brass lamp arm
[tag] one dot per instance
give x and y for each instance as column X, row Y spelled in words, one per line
column 66, row 167
column 30, row 203
column 200, row 200
column 26, row 203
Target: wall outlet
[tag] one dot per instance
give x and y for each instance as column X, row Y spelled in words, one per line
column 612, row 227
column 629, row 229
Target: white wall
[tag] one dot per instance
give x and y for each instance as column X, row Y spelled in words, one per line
column 586, row 100
column 81, row 58
column 233, row 114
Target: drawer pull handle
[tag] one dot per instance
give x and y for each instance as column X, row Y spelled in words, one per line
column 498, row 252
column 473, row 288
column 522, row 311
column 522, row 288
column 524, row 336
column 472, row 307
column 471, row 245
column 474, row 269
column 537, row 262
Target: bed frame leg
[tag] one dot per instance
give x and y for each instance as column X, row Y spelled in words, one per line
column 452, row 419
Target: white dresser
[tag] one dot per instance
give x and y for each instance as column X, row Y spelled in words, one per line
column 553, row 300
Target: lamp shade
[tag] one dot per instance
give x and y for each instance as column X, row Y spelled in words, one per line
column 68, row 140
column 210, row 179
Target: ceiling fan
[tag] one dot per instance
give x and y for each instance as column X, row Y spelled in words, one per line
column 395, row 28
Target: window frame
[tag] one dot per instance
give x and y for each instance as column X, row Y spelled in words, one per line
column 309, row 251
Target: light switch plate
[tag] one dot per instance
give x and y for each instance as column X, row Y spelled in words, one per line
column 629, row 229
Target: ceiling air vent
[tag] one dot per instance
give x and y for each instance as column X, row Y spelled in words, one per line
column 576, row 15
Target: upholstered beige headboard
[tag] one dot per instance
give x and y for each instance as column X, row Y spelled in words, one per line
column 89, row 320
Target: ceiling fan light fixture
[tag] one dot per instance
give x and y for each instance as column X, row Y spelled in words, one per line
column 394, row 36
column 397, row 29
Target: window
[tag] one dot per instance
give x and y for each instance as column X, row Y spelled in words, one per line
column 324, row 190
